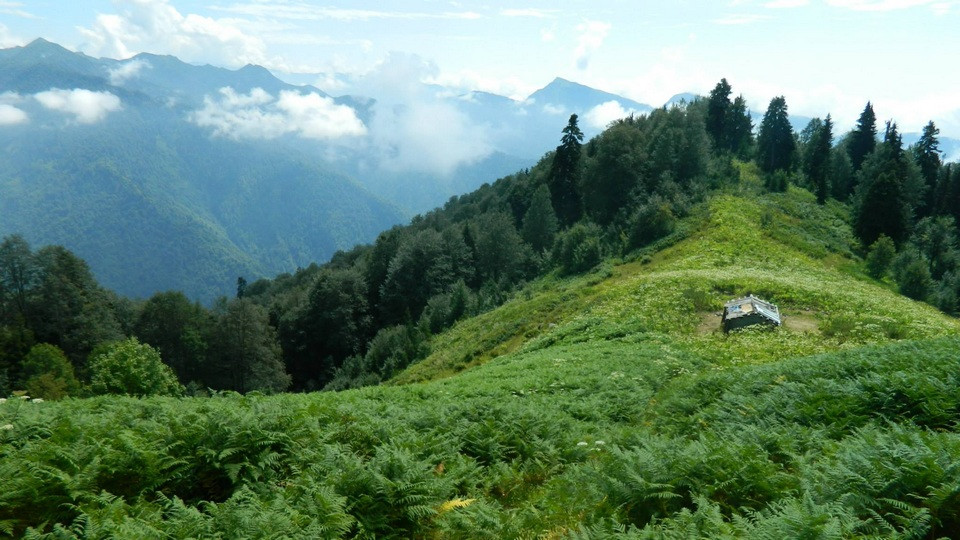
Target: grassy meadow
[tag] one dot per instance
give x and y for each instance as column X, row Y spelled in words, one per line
column 604, row 405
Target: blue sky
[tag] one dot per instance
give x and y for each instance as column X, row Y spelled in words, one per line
column 823, row 55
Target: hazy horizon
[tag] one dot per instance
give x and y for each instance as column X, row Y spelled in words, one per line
column 827, row 56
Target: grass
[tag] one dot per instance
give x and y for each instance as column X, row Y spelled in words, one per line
column 590, row 407
column 731, row 255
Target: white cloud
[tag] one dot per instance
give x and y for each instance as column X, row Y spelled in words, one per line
column 555, row 110
column 258, row 115
column 878, row 5
column 529, row 12
column 7, row 39
column 600, row 116
column 415, row 128
column 941, row 8
column 10, row 115
column 740, row 19
column 14, row 8
column 786, row 4
column 467, row 80
column 156, row 26
column 301, row 11
column 87, row 106
column 592, row 34
column 127, row 71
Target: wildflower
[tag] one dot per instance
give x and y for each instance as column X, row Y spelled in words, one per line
column 6, row 427
column 37, row 400
column 3, row 400
column 582, row 443
column 24, row 397
column 599, row 443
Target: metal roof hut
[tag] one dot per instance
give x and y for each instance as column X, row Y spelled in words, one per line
column 748, row 311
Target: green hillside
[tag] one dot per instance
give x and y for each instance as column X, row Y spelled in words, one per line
column 781, row 247
column 606, row 404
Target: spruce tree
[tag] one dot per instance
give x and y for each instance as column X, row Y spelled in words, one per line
column 927, row 155
column 863, row 139
column 882, row 202
column 817, row 158
column 776, row 148
column 565, row 174
column 718, row 105
column 738, row 131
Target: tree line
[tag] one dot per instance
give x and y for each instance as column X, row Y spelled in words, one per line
column 369, row 311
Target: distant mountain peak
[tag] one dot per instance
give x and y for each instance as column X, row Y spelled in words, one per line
column 687, row 97
column 253, row 68
column 579, row 97
column 41, row 46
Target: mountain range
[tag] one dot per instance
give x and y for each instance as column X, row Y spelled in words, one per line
column 115, row 170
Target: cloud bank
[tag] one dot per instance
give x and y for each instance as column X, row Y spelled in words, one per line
column 259, row 115
column 88, row 107
column 10, row 115
column 414, row 128
column 157, row 26
column 127, row 71
column 600, row 116
column 592, row 34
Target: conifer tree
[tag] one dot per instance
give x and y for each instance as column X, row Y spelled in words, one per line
column 863, row 139
column 718, row 105
column 776, row 147
column 927, row 155
column 738, row 131
column 565, row 174
column 882, row 203
column 817, row 158
column 728, row 123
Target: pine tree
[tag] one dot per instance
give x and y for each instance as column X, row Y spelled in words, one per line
column 863, row 139
column 565, row 174
column 776, row 147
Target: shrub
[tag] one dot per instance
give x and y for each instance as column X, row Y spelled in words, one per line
column 652, row 220
column 47, row 373
column 915, row 281
column 578, row 249
column 881, row 255
column 132, row 368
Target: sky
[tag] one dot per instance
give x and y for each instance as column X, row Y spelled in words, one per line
column 824, row 56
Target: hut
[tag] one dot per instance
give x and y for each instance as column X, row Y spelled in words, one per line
column 748, row 311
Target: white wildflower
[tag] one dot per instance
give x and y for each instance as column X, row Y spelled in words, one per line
column 6, row 427
column 599, row 443
column 24, row 397
column 37, row 400
column 3, row 400
column 582, row 443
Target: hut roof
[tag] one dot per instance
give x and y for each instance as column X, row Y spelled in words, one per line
column 751, row 307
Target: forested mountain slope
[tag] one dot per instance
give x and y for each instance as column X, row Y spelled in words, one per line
column 117, row 172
